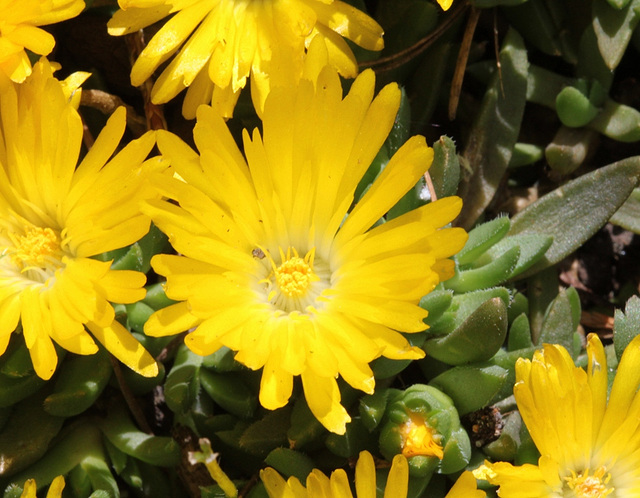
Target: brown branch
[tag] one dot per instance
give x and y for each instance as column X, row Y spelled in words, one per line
column 461, row 62
column 398, row 59
column 130, row 399
column 108, row 103
column 153, row 112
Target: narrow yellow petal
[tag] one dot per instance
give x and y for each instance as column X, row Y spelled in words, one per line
column 121, row 344
column 323, row 398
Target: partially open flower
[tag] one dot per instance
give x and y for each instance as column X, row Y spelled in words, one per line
column 424, row 426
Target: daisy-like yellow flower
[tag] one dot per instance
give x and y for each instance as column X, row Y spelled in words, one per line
column 270, row 267
column 220, row 43
column 54, row 217
column 337, row 486
column 589, row 447
column 19, row 21
column 55, row 490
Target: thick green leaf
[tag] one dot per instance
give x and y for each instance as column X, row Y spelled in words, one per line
column 569, row 148
column 626, row 325
column 290, row 463
column 481, row 238
column 495, row 130
column 613, row 28
column 506, row 446
column 26, row 435
column 463, row 305
column 618, row 121
column 478, row 338
column 356, row 439
column 628, row 216
column 520, row 334
column 571, row 214
column 493, row 273
column 445, row 170
column 470, row 387
column 559, row 324
column 531, row 249
column 230, row 392
column 267, row 433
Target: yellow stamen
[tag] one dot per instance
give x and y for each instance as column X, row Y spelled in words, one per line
column 295, row 275
column 420, row 439
column 590, row 486
column 38, row 248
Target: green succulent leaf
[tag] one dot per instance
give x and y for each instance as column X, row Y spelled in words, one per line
column 628, row 216
column 559, row 323
column 268, row 433
column 471, row 387
column 613, row 28
column 626, row 325
column 571, row 214
column 290, row 463
column 478, row 338
column 491, row 274
column 481, row 238
column 445, row 169
column 495, row 130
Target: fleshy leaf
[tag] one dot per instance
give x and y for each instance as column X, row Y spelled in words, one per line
column 571, row 214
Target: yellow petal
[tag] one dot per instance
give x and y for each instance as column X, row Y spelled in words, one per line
column 323, row 398
column 121, row 344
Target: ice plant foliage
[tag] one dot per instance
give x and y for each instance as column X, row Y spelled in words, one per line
column 19, row 21
column 54, row 218
column 218, row 44
column 589, row 447
column 268, row 264
column 318, row 485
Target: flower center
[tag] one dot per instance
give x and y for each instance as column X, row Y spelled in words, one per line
column 294, row 276
column 420, row 439
column 36, row 254
column 590, row 486
column 294, row 284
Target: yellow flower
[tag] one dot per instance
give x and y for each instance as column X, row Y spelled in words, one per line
column 54, row 218
column 220, row 43
column 420, row 439
column 18, row 30
column 337, row 486
column 445, row 4
column 55, row 490
column 269, row 266
column 589, row 447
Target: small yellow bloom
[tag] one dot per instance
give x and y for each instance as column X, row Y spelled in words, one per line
column 55, row 489
column 420, row 439
column 282, row 277
column 215, row 45
column 445, row 4
column 589, row 447
column 19, row 21
column 55, row 217
column 337, row 486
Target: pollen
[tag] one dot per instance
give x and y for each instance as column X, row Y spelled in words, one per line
column 294, row 277
column 420, row 439
column 36, row 252
column 295, row 283
column 595, row 485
